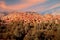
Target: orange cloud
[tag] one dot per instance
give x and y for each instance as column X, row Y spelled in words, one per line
column 53, row 6
column 56, row 5
column 20, row 6
column 50, row 7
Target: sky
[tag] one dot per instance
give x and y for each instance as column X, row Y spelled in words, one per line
column 39, row 6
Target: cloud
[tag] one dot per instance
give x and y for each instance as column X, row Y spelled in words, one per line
column 43, row 7
column 20, row 6
column 54, row 6
column 35, row 9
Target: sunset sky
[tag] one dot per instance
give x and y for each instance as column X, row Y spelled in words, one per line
column 40, row 6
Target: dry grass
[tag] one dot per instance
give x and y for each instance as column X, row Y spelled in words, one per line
column 30, row 26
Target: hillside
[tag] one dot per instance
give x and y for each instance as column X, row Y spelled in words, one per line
column 29, row 26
